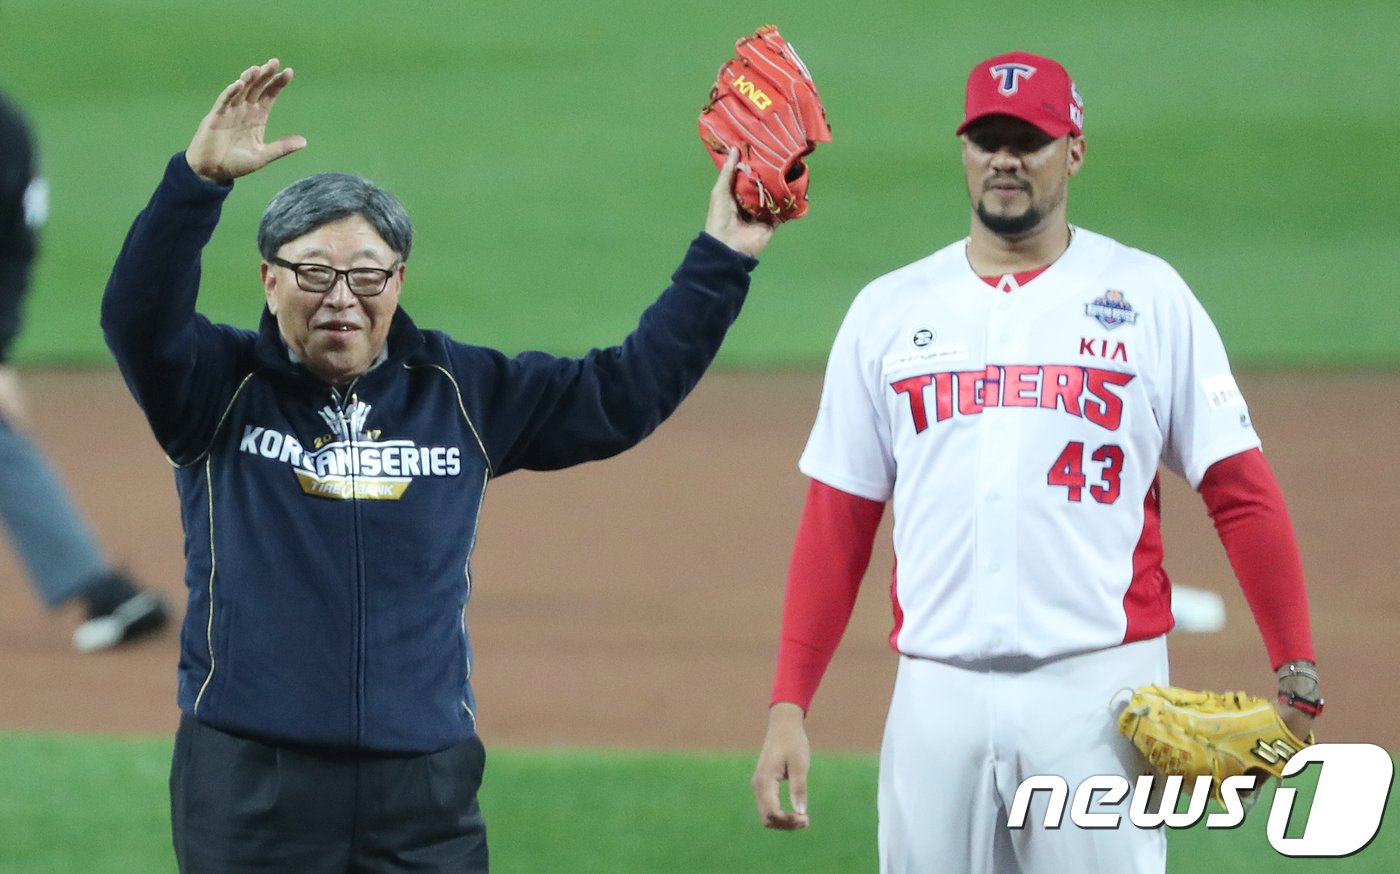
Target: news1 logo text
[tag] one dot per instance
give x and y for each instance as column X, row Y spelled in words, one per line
column 1353, row 785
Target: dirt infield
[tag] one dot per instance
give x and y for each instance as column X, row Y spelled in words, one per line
column 634, row 602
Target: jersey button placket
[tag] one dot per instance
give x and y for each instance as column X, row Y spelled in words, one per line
column 996, row 519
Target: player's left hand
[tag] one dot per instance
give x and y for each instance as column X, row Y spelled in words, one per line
column 1298, row 722
column 726, row 222
column 1298, row 678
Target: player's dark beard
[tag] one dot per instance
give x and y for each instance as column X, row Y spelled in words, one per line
column 1009, row 225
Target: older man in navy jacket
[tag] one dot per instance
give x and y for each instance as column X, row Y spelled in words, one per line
column 331, row 468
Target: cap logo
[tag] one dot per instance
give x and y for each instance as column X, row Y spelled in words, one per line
column 1010, row 76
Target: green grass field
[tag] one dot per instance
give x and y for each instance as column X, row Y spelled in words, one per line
column 99, row 805
column 548, row 152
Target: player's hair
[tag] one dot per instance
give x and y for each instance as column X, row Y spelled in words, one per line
column 318, row 200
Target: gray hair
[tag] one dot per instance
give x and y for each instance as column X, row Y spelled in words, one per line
column 318, row 200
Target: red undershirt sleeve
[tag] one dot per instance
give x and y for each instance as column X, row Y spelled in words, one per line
column 1247, row 506
column 829, row 558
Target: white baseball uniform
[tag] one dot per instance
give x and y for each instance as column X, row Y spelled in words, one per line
column 1019, row 433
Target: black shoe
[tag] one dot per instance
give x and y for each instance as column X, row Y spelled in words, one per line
column 139, row 614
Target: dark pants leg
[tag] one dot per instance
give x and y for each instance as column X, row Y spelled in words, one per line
column 420, row 814
column 240, row 805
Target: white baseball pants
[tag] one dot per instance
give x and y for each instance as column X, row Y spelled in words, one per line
column 961, row 737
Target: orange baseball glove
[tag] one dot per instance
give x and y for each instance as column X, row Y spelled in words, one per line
column 765, row 102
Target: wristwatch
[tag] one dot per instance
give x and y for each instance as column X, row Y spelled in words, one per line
column 1298, row 702
column 1305, row 670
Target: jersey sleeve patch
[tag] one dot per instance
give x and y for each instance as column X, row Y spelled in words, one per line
column 1222, row 391
column 899, row 360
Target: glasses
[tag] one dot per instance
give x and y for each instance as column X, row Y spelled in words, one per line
column 321, row 278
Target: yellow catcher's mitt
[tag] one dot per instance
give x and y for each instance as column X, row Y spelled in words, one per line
column 1188, row 734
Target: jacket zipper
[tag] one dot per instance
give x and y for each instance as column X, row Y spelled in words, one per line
column 358, row 620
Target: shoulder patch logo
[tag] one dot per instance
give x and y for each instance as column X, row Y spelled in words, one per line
column 1111, row 309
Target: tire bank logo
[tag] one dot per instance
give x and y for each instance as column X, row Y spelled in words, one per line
column 1353, row 785
column 352, row 462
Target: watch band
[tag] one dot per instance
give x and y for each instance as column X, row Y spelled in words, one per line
column 1297, row 702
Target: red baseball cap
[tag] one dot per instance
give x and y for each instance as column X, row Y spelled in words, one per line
column 1030, row 87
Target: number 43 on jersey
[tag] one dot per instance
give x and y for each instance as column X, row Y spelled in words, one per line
column 1068, row 470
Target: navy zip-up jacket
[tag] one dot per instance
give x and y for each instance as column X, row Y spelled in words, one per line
column 328, row 534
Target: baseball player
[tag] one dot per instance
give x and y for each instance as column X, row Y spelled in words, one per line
column 59, row 550
column 332, row 466
column 1013, row 394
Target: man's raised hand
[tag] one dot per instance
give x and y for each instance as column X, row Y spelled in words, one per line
column 230, row 141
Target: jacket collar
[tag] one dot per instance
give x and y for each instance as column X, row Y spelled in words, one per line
column 405, row 342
